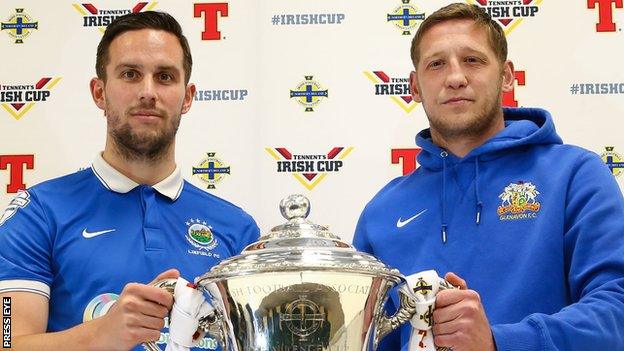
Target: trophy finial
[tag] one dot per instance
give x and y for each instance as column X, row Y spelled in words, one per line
column 295, row 206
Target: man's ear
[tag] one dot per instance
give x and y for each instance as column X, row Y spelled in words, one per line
column 414, row 89
column 189, row 95
column 96, row 85
column 508, row 76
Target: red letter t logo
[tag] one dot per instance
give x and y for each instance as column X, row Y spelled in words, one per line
column 15, row 164
column 605, row 13
column 211, row 11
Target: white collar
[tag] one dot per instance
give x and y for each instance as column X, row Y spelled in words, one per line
column 113, row 180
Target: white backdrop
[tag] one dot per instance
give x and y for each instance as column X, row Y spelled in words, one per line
column 266, row 50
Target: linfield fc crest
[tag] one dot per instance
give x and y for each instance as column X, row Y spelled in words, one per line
column 100, row 18
column 200, row 235
column 613, row 160
column 406, row 17
column 397, row 89
column 211, row 170
column 309, row 169
column 309, row 93
column 519, row 201
column 19, row 98
column 19, row 26
column 509, row 13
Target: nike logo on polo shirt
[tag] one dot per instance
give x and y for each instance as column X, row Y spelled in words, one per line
column 88, row 235
column 401, row 223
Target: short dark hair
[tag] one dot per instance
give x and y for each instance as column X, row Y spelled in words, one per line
column 137, row 21
column 496, row 35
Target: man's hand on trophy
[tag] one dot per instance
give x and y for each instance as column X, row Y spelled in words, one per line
column 459, row 319
column 138, row 316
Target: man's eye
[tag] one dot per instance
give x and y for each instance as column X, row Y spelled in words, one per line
column 129, row 74
column 472, row 59
column 165, row 77
column 435, row 64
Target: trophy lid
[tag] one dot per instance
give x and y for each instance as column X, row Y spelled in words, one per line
column 299, row 245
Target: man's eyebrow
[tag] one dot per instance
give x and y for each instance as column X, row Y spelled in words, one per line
column 434, row 54
column 171, row 68
column 474, row 50
column 127, row 65
column 168, row 68
column 463, row 48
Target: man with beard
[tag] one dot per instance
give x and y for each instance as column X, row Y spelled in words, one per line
column 533, row 226
column 72, row 248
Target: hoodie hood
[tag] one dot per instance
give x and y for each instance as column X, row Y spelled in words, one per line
column 523, row 126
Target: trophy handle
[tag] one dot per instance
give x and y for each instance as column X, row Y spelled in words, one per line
column 209, row 324
column 386, row 324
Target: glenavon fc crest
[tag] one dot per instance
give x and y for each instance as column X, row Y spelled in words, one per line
column 519, row 201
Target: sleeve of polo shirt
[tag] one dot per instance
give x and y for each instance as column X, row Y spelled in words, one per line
column 249, row 235
column 25, row 246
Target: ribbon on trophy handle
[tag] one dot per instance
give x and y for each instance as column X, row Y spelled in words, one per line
column 188, row 307
column 187, row 318
column 423, row 288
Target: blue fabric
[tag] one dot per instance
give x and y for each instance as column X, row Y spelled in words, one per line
column 43, row 241
column 551, row 275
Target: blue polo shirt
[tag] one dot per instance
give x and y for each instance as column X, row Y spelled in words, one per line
column 79, row 239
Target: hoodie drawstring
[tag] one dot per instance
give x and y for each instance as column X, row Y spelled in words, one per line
column 444, row 154
column 479, row 203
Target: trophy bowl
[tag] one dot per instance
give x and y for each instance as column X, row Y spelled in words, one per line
column 297, row 288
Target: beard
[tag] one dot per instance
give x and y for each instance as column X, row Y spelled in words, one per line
column 468, row 124
column 147, row 146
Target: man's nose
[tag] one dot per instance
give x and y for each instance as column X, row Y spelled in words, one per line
column 456, row 77
column 147, row 94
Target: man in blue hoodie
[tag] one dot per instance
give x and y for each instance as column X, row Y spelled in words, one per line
column 532, row 228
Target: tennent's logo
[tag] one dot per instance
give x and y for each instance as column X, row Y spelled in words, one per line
column 605, row 13
column 101, row 18
column 211, row 13
column 509, row 98
column 309, row 93
column 406, row 158
column 19, row 26
column 509, row 13
column 406, row 17
column 15, row 165
column 397, row 89
column 309, row 169
column 17, row 99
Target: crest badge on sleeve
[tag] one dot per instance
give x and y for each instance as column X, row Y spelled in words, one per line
column 21, row 200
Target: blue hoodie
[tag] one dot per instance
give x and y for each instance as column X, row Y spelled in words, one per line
column 535, row 226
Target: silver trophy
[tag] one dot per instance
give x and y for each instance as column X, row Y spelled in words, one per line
column 299, row 287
